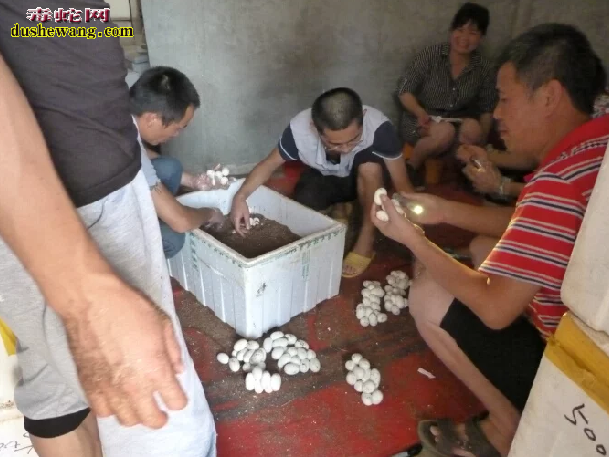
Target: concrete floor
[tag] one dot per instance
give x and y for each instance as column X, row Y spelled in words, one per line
column 320, row 414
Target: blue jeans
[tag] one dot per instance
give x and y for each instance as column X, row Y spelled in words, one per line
column 170, row 171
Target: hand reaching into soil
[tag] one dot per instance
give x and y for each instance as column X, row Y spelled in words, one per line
column 125, row 349
column 240, row 215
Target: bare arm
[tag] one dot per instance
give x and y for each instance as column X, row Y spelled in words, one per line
column 410, row 103
column 180, row 218
column 483, row 220
column 508, row 160
column 496, row 300
column 258, row 176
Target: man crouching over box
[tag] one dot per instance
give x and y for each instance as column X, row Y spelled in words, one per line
column 350, row 151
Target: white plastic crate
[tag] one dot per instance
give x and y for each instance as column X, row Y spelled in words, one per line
column 254, row 295
column 567, row 413
column 585, row 289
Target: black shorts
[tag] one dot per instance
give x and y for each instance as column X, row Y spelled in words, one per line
column 58, row 426
column 319, row 192
column 508, row 358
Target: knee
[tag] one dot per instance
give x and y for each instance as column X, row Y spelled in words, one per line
column 416, row 300
column 470, row 132
column 173, row 242
column 444, row 135
column 169, row 170
column 369, row 170
column 428, row 302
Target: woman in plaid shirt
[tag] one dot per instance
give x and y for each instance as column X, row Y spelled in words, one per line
column 449, row 80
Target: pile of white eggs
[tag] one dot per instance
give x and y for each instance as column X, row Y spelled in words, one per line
column 369, row 311
column 395, row 300
column 292, row 355
column 397, row 283
column 254, row 221
column 247, row 352
column 381, row 214
column 364, row 379
column 393, row 295
column 220, row 175
column 261, row 380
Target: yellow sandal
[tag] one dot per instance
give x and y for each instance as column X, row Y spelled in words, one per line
column 358, row 262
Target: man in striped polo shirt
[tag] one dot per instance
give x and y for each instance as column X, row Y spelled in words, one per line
column 489, row 326
column 350, row 150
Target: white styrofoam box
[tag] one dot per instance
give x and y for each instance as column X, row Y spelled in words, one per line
column 567, row 413
column 254, row 295
column 585, row 289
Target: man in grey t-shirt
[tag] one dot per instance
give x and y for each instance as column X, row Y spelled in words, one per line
column 86, row 291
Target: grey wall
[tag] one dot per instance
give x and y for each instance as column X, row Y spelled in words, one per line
column 256, row 64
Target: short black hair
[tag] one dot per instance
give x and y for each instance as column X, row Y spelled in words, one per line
column 164, row 91
column 474, row 13
column 336, row 109
column 561, row 52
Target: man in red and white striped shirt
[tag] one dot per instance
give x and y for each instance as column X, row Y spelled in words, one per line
column 539, row 241
column 489, row 326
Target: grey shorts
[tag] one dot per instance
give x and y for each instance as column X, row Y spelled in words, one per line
column 126, row 228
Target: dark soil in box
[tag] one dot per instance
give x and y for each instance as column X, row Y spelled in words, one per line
column 261, row 239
